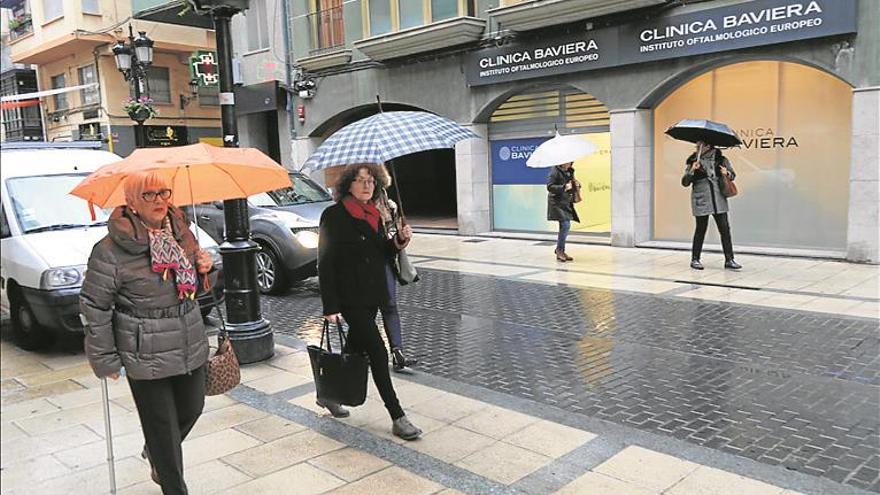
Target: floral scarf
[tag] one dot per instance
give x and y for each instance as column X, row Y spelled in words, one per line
column 166, row 255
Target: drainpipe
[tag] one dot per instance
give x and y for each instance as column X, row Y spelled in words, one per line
column 287, row 67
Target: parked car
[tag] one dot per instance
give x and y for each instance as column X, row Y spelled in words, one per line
column 284, row 223
column 46, row 236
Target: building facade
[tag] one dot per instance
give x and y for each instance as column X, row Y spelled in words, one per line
column 798, row 80
column 69, row 41
column 262, row 78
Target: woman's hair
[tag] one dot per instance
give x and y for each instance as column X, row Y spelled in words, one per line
column 138, row 182
column 350, row 174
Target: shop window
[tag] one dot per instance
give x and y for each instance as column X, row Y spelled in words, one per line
column 91, row 7
column 412, row 13
column 52, row 9
column 159, row 83
column 518, row 126
column 60, row 100
column 793, row 168
column 257, row 25
column 87, row 76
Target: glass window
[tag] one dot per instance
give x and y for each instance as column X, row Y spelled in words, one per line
column 410, row 13
column 443, row 9
column 159, row 83
column 52, row 9
column 28, row 196
column 792, row 169
column 60, row 100
column 91, row 6
column 257, row 25
column 87, row 76
column 380, row 17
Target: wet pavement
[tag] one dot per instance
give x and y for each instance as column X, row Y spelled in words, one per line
column 783, row 387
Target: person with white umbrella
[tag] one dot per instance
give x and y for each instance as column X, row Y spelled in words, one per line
column 563, row 191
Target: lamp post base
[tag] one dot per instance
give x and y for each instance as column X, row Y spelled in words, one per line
column 253, row 341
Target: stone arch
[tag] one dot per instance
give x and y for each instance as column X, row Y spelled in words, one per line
column 672, row 83
column 347, row 116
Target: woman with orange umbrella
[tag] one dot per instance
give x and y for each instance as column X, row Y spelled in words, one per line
column 138, row 300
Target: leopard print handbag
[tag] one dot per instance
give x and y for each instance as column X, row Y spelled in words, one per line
column 223, row 372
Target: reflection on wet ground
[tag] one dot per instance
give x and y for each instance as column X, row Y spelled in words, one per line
column 783, row 387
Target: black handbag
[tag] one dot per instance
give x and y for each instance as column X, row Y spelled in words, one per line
column 339, row 377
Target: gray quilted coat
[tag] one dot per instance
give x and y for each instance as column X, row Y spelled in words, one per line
column 134, row 317
column 706, row 197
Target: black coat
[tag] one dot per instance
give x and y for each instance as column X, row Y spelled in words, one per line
column 351, row 261
column 560, row 203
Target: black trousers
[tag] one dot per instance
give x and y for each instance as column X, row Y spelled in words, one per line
column 168, row 409
column 363, row 336
column 723, row 230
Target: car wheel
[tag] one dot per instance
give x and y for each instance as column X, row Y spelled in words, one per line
column 29, row 334
column 270, row 274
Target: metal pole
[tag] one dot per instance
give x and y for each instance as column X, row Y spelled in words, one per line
column 249, row 333
column 108, row 434
column 136, row 74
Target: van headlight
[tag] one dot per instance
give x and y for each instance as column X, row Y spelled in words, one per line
column 65, row 276
column 307, row 239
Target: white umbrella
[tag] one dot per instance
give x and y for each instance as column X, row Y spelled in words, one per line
column 559, row 150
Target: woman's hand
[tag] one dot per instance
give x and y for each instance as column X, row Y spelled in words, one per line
column 113, row 376
column 404, row 235
column 204, row 261
column 568, row 186
column 724, row 171
column 334, row 318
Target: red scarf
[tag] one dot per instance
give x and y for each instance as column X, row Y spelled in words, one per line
column 367, row 212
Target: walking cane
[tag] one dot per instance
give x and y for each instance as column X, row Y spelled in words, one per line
column 105, row 396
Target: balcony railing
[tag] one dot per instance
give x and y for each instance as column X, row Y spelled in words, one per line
column 326, row 30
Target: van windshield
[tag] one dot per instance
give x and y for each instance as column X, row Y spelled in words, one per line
column 43, row 202
column 304, row 190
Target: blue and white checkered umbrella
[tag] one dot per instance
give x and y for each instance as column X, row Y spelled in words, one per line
column 385, row 136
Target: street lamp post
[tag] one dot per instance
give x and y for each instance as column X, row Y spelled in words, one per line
column 133, row 61
column 250, row 333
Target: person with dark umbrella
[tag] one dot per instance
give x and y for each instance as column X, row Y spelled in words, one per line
column 703, row 172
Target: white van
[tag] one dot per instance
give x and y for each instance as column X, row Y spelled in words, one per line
column 46, row 236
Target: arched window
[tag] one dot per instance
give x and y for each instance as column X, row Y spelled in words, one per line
column 793, row 169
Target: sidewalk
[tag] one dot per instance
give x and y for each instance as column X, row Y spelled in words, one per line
column 247, row 443
column 268, row 437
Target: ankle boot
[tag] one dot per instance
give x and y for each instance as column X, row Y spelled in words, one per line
column 404, row 429
column 399, row 360
column 732, row 265
column 336, row 410
column 560, row 256
column 567, row 257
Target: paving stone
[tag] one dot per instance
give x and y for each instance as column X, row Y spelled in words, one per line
column 391, row 481
column 720, row 375
column 600, row 484
column 307, row 480
column 349, row 464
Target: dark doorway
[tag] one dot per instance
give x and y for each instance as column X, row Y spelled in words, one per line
column 428, row 188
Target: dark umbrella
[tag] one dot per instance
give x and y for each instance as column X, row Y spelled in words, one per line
column 709, row 132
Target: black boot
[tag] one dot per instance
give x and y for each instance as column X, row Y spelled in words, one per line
column 696, row 265
column 399, row 360
column 732, row 265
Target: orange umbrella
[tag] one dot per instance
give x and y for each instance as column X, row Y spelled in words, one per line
column 197, row 172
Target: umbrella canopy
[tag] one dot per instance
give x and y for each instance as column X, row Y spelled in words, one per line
column 714, row 133
column 384, row 136
column 198, row 173
column 559, row 150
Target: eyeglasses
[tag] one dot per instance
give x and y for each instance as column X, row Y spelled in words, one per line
column 366, row 182
column 150, row 196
